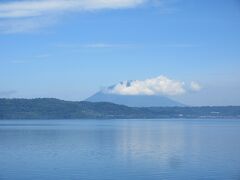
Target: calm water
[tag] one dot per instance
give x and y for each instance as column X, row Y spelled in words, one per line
column 120, row 149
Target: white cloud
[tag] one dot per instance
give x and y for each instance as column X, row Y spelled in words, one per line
column 153, row 86
column 160, row 85
column 30, row 8
column 195, row 86
column 29, row 15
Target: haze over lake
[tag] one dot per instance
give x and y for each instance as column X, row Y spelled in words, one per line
column 120, row 149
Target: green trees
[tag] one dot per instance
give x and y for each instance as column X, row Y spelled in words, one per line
column 49, row 108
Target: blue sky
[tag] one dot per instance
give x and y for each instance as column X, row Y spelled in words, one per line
column 72, row 49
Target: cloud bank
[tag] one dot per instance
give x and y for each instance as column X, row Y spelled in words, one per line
column 27, row 15
column 160, row 85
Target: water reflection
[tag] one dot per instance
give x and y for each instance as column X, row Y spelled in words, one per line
column 159, row 144
column 119, row 149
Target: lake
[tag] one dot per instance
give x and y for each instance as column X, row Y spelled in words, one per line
column 120, row 149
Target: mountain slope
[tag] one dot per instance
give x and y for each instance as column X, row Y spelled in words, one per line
column 134, row 100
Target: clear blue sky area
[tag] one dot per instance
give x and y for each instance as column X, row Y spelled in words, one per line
column 72, row 50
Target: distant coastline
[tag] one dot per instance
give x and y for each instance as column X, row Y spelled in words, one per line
column 50, row 108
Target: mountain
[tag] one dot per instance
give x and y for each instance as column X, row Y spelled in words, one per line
column 134, row 100
column 49, row 108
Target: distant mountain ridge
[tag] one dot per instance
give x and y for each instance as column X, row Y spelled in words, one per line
column 49, row 108
column 115, row 95
column 134, row 100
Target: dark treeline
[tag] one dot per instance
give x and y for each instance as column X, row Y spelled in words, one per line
column 49, row 108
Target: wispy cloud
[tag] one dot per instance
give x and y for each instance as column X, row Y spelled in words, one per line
column 30, row 8
column 103, row 45
column 7, row 94
column 19, row 61
column 28, row 15
column 42, row 56
column 32, row 59
column 194, row 86
column 26, row 25
column 93, row 45
column 178, row 45
column 160, row 85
